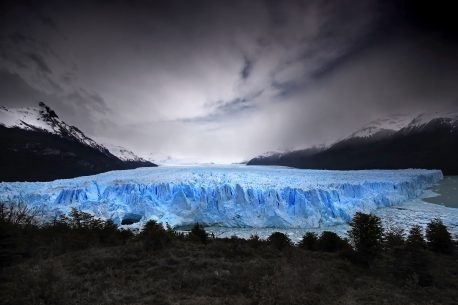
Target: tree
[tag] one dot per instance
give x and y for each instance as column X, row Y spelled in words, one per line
column 199, row 234
column 415, row 238
column 412, row 263
column 17, row 214
column 393, row 239
column 81, row 220
column 438, row 237
column 154, row 236
column 279, row 240
column 366, row 235
column 309, row 241
column 331, row 242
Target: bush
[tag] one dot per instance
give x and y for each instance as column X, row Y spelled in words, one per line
column 415, row 238
column 309, row 241
column 17, row 214
column 254, row 241
column 411, row 264
column 279, row 240
column 8, row 247
column 366, row 235
column 83, row 220
column 154, row 236
column 198, row 234
column 331, row 242
column 438, row 237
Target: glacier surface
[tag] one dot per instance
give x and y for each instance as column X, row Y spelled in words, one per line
column 404, row 216
column 229, row 196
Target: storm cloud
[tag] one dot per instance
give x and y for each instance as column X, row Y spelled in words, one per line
column 223, row 81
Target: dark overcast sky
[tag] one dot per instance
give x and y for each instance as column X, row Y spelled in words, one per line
column 225, row 80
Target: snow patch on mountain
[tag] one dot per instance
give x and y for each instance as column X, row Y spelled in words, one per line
column 44, row 119
column 392, row 124
column 123, row 153
column 450, row 118
column 167, row 160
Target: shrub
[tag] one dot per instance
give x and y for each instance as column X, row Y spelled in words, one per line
column 331, row 242
column 438, row 237
column 17, row 214
column 366, row 235
column 154, row 236
column 172, row 233
column 411, row 264
column 8, row 247
column 82, row 220
column 279, row 240
column 309, row 241
column 415, row 238
column 254, row 241
column 198, row 234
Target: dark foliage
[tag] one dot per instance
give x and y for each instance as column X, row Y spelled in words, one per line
column 279, row 240
column 50, row 264
column 154, row 236
column 393, row 239
column 331, row 242
column 438, row 237
column 415, row 239
column 198, row 234
column 366, row 235
column 255, row 241
column 309, row 241
column 21, row 237
column 411, row 264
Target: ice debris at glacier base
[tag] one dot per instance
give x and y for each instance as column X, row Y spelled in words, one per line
column 405, row 216
column 231, row 196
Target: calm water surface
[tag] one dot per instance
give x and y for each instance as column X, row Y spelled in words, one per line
column 447, row 192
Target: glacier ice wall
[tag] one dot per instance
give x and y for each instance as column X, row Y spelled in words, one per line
column 233, row 196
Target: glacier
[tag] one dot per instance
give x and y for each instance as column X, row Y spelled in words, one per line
column 226, row 196
column 403, row 216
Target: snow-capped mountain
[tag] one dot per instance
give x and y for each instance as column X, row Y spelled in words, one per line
column 38, row 145
column 382, row 126
column 43, row 118
column 123, row 153
column 168, row 160
column 421, row 141
column 392, row 124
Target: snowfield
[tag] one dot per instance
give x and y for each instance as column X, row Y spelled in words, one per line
column 230, row 196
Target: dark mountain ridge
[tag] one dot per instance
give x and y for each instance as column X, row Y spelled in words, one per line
column 430, row 144
column 38, row 146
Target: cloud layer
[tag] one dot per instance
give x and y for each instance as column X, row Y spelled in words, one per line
column 223, row 81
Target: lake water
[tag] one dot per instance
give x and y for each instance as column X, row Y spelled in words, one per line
column 446, row 192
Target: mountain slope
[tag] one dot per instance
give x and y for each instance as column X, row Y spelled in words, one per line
column 128, row 156
column 427, row 141
column 38, row 146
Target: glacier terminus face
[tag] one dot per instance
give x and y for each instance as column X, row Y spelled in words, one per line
column 231, row 196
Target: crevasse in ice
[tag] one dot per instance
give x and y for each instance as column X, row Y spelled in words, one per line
column 233, row 196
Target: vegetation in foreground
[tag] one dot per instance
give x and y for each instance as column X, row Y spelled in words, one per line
column 83, row 260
